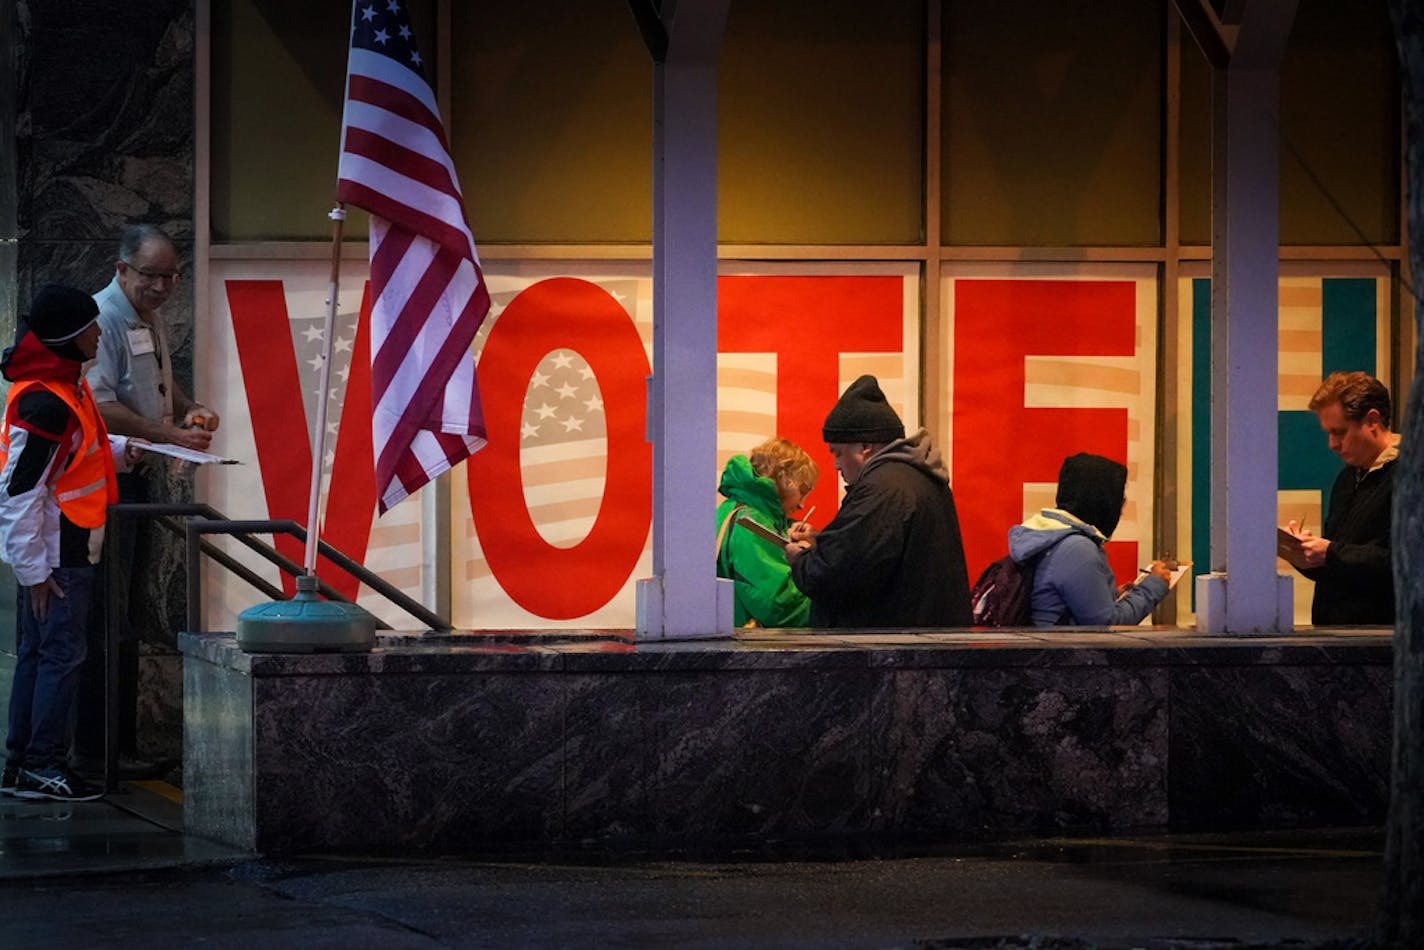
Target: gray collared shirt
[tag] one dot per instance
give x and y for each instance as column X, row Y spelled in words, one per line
column 128, row 368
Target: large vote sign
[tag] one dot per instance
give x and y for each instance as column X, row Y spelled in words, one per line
column 549, row 525
column 550, row 522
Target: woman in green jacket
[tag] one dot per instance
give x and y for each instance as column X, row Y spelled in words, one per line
column 767, row 485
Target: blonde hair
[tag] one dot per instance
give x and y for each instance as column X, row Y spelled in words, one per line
column 786, row 464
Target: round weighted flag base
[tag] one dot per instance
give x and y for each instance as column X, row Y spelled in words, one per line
column 306, row 624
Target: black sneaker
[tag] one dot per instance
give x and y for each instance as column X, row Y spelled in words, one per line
column 56, row 784
column 10, row 779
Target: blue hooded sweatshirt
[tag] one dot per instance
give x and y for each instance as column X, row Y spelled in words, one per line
column 1073, row 583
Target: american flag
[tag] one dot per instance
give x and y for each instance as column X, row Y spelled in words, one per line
column 393, row 549
column 428, row 291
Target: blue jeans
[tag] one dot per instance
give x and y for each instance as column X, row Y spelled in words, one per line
column 48, row 656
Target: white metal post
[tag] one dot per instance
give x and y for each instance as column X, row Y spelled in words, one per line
column 1244, row 593
column 684, row 598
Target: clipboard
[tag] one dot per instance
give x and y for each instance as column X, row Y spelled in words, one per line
column 762, row 531
column 1176, row 572
column 1288, row 546
column 185, row 453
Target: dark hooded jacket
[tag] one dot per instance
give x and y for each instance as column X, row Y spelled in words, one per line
column 892, row 556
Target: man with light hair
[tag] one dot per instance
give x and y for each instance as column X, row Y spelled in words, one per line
column 1350, row 560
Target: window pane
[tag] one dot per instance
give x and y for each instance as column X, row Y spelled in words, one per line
column 821, row 118
column 1052, row 122
column 1340, row 126
column 1194, row 145
column 551, row 124
column 278, row 73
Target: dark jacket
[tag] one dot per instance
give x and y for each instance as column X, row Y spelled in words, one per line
column 1356, row 583
column 892, row 556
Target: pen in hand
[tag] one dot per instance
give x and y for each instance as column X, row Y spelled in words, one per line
column 807, row 516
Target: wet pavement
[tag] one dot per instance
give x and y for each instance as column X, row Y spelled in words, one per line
column 135, row 828
column 120, row 873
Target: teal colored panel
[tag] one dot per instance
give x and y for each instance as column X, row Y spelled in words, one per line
column 1347, row 343
column 1201, row 429
column 1347, row 339
column 1305, row 460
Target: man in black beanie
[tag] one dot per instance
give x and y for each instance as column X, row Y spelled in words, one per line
column 892, row 556
column 57, row 466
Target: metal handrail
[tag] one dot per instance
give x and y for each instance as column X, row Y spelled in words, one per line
column 201, row 520
column 204, row 519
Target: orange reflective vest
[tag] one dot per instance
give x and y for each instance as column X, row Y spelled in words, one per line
column 86, row 487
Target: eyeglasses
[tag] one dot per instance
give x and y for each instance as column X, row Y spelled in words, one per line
column 172, row 278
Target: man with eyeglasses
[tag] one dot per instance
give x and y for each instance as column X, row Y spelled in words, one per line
column 137, row 394
column 132, row 377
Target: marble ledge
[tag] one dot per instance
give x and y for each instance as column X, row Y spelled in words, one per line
column 613, row 651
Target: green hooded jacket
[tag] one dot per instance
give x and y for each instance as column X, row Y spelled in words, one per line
column 764, row 591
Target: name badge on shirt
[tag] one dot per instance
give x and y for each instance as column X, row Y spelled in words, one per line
column 140, row 341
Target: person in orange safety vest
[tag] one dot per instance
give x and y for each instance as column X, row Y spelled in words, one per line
column 57, row 465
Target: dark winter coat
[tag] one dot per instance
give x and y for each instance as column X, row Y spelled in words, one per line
column 892, row 556
column 1356, row 583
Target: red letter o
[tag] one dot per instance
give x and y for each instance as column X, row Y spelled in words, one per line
column 562, row 583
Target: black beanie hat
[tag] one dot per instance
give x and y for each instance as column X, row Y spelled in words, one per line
column 1092, row 488
column 862, row 414
column 59, row 314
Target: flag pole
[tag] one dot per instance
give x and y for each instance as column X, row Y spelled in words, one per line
column 307, row 623
column 338, row 218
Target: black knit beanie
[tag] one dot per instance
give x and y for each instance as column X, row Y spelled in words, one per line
column 59, row 314
column 1092, row 488
column 862, row 414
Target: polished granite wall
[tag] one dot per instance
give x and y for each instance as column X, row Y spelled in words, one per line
column 104, row 136
column 1301, row 745
column 442, row 747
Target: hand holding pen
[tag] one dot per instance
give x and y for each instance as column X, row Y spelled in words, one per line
column 1312, row 547
column 801, row 529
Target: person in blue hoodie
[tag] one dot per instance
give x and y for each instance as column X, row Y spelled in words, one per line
column 1072, row 583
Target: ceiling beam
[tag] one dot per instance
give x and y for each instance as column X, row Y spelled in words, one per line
column 650, row 24
column 1212, row 36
